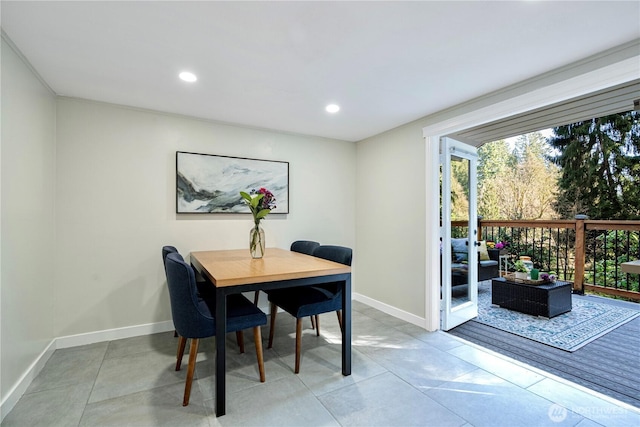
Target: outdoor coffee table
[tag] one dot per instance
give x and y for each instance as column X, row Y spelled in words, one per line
column 547, row 300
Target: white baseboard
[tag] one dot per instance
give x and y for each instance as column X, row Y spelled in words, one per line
column 113, row 334
column 391, row 310
column 12, row 397
column 21, row 386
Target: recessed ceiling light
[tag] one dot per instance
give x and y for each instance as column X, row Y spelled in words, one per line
column 332, row 108
column 188, row 77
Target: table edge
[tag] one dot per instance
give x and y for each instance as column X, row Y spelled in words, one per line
column 339, row 269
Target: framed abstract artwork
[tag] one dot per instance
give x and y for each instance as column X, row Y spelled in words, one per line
column 208, row 183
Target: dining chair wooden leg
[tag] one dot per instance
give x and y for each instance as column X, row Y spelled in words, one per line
column 257, row 337
column 317, row 325
column 240, row 339
column 193, row 354
column 274, row 311
column 298, row 343
column 339, row 313
column 313, row 322
column 182, row 343
column 175, row 333
column 256, row 298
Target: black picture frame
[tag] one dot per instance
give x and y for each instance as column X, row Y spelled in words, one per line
column 211, row 183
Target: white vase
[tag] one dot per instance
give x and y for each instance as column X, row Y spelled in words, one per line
column 521, row 275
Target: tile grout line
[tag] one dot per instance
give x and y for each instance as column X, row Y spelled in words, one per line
column 94, row 382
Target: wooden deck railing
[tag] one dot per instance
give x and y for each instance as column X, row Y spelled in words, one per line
column 585, row 252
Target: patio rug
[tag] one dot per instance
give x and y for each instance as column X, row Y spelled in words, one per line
column 586, row 321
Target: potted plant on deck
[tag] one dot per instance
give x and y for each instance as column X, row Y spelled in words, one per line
column 521, row 270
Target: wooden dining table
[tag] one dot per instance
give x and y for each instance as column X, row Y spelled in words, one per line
column 234, row 271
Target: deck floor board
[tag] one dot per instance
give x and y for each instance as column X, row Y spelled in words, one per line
column 608, row 365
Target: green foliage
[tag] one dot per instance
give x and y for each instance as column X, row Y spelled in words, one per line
column 550, row 250
column 600, row 162
column 255, row 205
column 460, row 190
column 518, row 184
column 252, row 201
column 493, row 163
column 610, row 249
column 458, row 232
column 520, row 267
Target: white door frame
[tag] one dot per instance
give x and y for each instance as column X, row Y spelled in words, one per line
column 543, row 92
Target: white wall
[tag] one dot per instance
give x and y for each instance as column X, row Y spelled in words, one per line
column 391, row 227
column 115, row 206
column 27, row 219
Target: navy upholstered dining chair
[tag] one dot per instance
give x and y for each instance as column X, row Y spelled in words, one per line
column 307, row 247
column 166, row 250
column 304, row 246
column 306, row 301
column 193, row 316
column 204, row 288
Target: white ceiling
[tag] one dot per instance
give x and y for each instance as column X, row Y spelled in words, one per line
column 275, row 65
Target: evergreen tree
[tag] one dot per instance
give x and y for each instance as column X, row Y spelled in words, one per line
column 600, row 161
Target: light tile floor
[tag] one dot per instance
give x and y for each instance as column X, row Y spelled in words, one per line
column 402, row 376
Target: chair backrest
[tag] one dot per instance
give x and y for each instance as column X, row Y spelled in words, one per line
column 192, row 317
column 340, row 254
column 166, row 250
column 304, row 246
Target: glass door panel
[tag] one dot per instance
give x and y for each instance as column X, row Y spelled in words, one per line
column 459, row 233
